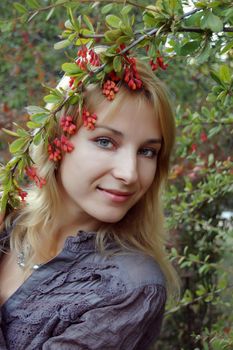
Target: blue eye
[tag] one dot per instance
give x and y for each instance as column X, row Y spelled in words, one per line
column 104, row 142
column 148, row 152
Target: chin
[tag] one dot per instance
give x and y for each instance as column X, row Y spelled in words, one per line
column 111, row 219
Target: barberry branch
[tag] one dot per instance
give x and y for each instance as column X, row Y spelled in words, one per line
column 197, row 300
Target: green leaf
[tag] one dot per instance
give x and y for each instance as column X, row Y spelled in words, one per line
column 33, row 125
column 212, row 22
column 225, row 74
column 227, row 47
column 71, row 68
column 112, row 35
column 20, row 8
column 49, row 15
column 126, row 9
column 17, row 145
column 36, row 109
column 52, row 99
column 107, row 8
column 204, row 55
column 69, row 25
column 113, row 21
column 39, row 118
column 88, row 23
column 149, row 20
column 9, row 132
column 216, row 77
column 33, row 4
column 127, row 30
column 117, row 64
column 62, row 44
column 22, row 133
column 37, row 138
column 122, row 39
column 189, row 48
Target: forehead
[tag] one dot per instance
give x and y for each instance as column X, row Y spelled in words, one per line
column 131, row 115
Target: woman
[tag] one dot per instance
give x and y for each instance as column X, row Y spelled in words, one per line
column 83, row 264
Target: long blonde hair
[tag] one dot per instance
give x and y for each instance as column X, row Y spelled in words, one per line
column 142, row 227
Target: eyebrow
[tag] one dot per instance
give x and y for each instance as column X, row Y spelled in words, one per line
column 119, row 133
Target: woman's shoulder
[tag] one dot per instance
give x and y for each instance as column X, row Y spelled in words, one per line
column 137, row 269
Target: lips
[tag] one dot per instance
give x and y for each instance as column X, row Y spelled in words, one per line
column 116, row 192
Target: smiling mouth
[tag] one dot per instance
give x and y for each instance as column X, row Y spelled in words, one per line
column 114, row 195
column 115, row 192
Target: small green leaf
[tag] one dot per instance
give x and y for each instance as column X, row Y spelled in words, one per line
column 37, row 138
column 212, row 22
column 117, row 64
column 107, row 8
column 9, row 132
column 52, row 99
column 17, row 145
column 36, row 109
column 20, row 8
column 69, row 25
column 112, row 35
column 189, row 48
column 71, row 68
column 113, row 21
column 33, row 4
column 122, row 39
column 32, row 125
column 126, row 9
column 49, row 15
column 225, row 74
column 149, row 20
column 127, row 30
column 62, row 44
column 22, row 133
column 88, row 23
column 216, row 77
column 204, row 55
column 39, row 117
column 227, row 47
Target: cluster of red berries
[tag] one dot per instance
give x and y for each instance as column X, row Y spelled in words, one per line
column 67, row 125
column 57, row 146
column 110, row 89
column 63, row 144
column 32, row 174
column 158, row 63
column 86, row 56
column 89, row 119
column 131, row 76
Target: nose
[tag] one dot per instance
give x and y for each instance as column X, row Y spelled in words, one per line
column 125, row 167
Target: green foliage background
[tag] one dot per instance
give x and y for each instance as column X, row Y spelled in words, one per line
column 199, row 77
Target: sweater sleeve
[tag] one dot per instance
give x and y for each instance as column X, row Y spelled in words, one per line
column 132, row 323
column 2, row 340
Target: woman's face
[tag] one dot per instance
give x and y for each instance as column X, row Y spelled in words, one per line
column 113, row 166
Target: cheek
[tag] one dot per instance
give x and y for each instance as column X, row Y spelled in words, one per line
column 148, row 175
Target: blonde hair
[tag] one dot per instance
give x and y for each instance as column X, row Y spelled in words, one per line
column 142, row 227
